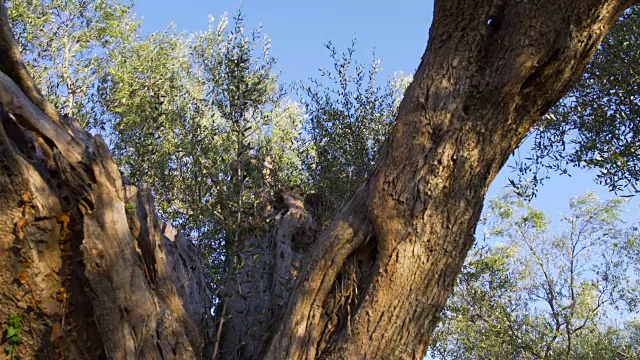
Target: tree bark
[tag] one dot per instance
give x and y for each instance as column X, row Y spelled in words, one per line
column 490, row 71
column 257, row 291
column 87, row 265
column 85, row 261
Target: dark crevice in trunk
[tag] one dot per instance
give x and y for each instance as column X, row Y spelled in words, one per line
column 81, row 314
column 77, row 315
column 350, row 287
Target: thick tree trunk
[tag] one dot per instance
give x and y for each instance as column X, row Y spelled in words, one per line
column 491, row 69
column 86, row 265
column 85, row 261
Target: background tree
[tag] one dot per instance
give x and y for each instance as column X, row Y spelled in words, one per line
column 529, row 293
column 207, row 124
column 66, row 46
column 349, row 116
column 163, row 134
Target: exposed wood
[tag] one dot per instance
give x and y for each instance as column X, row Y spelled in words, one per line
column 31, row 117
column 11, row 64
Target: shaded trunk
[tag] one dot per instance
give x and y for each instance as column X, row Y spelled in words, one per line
column 257, row 291
column 85, row 261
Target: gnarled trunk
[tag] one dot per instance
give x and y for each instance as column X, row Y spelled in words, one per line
column 256, row 291
column 491, row 69
column 85, row 262
column 94, row 278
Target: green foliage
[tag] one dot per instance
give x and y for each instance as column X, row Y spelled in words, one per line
column 529, row 293
column 65, row 44
column 349, row 116
column 158, row 125
column 610, row 342
column 13, row 335
column 201, row 119
column 631, row 249
column 596, row 125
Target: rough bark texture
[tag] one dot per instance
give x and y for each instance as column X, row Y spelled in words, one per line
column 87, row 265
column 257, row 291
column 85, row 260
column 491, row 69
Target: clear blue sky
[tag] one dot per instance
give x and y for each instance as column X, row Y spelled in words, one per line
column 397, row 30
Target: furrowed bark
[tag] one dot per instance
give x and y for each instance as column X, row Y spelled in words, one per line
column 257, row 291
column 490, row 71
column 94, row 276
column 85, row 260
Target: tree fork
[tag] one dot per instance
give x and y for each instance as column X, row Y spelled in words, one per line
column 491, row 69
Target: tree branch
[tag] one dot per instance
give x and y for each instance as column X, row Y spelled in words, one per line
column 11, row 64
